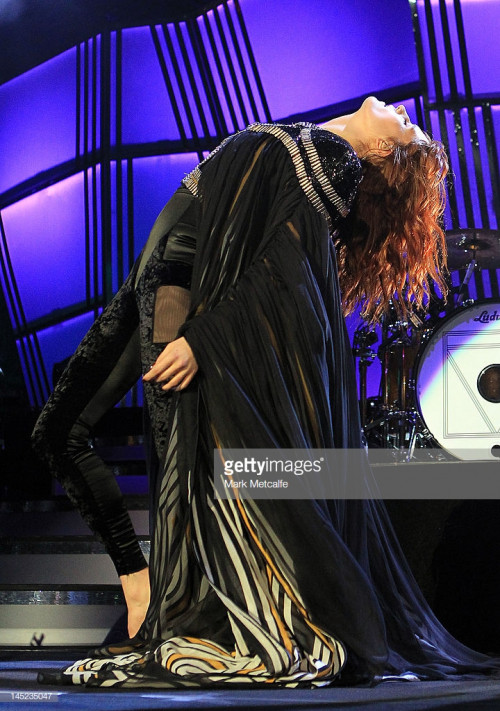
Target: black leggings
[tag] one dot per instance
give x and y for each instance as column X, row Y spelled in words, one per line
column 104, row 367
column 101, row 372
column 114, row 522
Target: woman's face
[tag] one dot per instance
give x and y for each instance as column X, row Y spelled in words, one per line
column 378, row 123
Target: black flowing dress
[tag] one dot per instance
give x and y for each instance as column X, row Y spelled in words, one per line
column 245, row 591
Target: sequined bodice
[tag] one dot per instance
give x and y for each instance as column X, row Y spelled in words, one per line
column 327, row 167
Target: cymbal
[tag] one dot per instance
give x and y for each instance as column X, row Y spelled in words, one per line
column 471, row 243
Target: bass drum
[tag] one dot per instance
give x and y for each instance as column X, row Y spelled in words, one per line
column 458, row 382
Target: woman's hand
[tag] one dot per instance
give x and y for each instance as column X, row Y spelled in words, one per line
column 176, row 365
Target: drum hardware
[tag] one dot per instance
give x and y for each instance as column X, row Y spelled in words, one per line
column 390, row 420
column 439, row 391
column 439, row 395
column 397, row 351
column 364, row 338
column 472, row 249
column 403, row 432
column 480, row 245
column 461, row 292
column 415, row 320
column 393, row 420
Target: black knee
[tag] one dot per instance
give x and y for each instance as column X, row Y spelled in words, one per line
column 52, row 438
column 78, row 441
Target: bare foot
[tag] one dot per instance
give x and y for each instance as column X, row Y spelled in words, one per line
column 137, row 592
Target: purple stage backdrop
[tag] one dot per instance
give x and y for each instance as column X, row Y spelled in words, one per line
column 89, row 141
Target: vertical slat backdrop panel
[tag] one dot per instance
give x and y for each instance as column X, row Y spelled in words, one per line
column 211, row 87
column 463, row 121
column 28, row 346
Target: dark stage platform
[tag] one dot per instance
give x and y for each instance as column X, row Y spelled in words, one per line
column 20, row 690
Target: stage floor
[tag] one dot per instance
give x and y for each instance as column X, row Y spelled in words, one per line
column 19, row 690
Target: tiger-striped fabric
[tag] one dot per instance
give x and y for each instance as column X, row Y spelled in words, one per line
column 272, row 639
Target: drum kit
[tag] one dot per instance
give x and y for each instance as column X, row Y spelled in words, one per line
column 439, row 394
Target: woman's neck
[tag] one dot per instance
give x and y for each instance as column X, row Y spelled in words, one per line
column 340, row 126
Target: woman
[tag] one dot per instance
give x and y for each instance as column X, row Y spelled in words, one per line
column 239, row 278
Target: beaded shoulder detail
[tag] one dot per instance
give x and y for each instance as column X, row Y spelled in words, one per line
column 305, row 172
column 192, row 179
column 327, row 168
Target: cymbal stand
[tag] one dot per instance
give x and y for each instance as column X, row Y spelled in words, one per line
column 362, row 342
column 461, row 292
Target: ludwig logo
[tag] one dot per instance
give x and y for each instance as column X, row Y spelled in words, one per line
column 487, row 317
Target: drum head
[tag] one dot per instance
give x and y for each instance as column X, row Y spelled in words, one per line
column 458, row 382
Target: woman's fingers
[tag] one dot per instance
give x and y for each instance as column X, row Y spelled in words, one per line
column 180, row 382
column 168, row 371
column 176, row 364
column 174, row 380
column 165, row 360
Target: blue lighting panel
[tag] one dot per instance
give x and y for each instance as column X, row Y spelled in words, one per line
column 221, row 87
column 434, row 29
column 60, row 341
column 482, row 27
column 89, row 88
column 314, row 54
column 230, row 95
column 92, row 91
column 155, row 181
column 471, row 175
column 120, row 257
column 488, row 178
column 480, row 55
column 46, row 240
column 233, row 61
column 147, row 113
column 453, row 155
column 200, row 88
column 472, row 187
column 176, row 67
column 37, row 130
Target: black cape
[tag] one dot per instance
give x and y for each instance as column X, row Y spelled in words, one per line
column 270, row 591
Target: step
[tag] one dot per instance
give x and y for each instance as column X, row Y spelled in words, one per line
column 130, row 484
column 58, row 615
column 133, row 502
column 58, row 586
column 60, row 523
column 57, row 561
column 49, row 597
column 58, row 517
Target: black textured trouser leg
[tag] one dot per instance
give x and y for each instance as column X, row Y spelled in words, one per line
column 104, row 367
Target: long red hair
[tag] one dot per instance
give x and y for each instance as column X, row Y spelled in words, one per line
column 392, row 242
